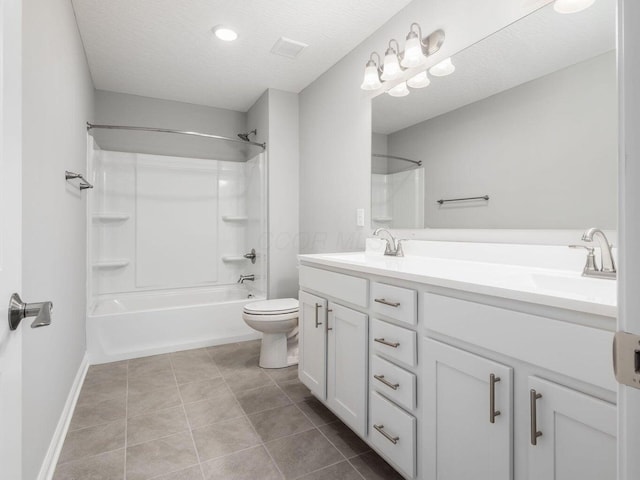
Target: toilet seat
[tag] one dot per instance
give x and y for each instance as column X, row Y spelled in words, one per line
column 273, row 308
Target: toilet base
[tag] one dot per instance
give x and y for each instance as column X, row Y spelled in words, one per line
column 277, row 351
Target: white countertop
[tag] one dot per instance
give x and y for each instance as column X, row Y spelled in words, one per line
column 560, row 288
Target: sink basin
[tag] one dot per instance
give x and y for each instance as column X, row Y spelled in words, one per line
column 596, row 289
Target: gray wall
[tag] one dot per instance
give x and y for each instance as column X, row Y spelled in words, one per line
column 275, row 115
column 335, row 118
column 57, row 101
column 124, row 109
column 544, row 151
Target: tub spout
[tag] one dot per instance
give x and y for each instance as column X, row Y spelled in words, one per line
column 244, row 278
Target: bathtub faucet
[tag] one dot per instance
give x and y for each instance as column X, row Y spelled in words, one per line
column 244, row 278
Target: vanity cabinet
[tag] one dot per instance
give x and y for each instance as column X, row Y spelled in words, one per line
column 572, row 435
column 312, row 362
column 333, row 344
column 468, row 413
column 347, row 365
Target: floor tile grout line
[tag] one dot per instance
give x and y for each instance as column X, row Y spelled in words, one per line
column 190, row 430
column 262, row 443
column 126, row 422
column 299, row 477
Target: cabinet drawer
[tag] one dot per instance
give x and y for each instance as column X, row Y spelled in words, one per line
column 345, row 287
column 393, row 342
column 393, row 382
column 393, row 432
column 394, row 302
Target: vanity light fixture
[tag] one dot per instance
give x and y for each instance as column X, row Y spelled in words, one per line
column 420, row 80
column 396, row 61
column 445, row 67
column 399, row 90
column 225, row 33
column 391, row 68
column 572, row 6
column 372, row 74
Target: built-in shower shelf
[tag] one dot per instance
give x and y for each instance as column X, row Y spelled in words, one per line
column 382, row 219
column 233, row 258
column 110, row 216
column 108, row 264
column 234, row 218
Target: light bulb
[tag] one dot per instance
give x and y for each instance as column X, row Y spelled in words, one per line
column 391, row 69
column 371, row 78
column 225, row 33
column 572, row 6
column 445, row 67
column 413, row 55
column 399, row 90
column 420, row 80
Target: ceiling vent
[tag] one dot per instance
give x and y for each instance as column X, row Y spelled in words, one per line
column 288, row 48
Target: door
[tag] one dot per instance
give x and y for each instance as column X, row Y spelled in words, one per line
column 468, row 411
column 347, row 366
column 312, row 359
column 574, row 434
column 629, row 225
column 10, row 228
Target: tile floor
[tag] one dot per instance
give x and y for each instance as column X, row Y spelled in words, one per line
column 208, row 414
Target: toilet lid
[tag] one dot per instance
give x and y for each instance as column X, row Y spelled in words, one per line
column 276, row 306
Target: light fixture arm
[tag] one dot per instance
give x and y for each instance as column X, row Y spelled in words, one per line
column 378, row 64
column 397, row 49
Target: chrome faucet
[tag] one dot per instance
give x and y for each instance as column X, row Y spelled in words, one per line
column 393, row 248
column 244, row 278
column 607, row 267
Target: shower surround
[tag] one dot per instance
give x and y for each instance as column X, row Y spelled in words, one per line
column 167, row 240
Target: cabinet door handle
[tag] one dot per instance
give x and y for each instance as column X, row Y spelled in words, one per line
column 328, row 327
column 384, row 342
column 318, row 306
column 493, row 413
column 386, row 302
column 380, row 429
column 533, row 397
column 381, row 378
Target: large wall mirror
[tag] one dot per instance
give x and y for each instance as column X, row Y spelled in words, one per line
column 525, row 130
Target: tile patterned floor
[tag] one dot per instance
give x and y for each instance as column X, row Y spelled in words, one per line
column 208, row 414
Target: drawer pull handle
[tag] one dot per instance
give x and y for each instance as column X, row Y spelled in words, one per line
column 386, row 302
column 380, row 429
column 388, row 344
column 318, row 305
column 533, row 397
column 386, row 382
column 493, row 413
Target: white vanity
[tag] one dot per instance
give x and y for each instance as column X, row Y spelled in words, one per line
column 465, row 360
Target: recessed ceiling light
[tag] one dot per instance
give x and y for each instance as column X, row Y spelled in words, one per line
column 225, row 33
column 572, row 6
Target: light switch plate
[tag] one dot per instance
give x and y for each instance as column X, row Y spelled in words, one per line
column 360, row 217
column 626, row 359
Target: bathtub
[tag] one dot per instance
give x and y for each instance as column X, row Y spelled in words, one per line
column 131, row 325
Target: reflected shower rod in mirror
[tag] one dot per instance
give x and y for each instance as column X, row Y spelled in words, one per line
column 381, row 155
column 91, row 126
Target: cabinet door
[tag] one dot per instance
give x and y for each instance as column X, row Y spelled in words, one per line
column 465, row 436
column 578, row 434
column 312, row 361
column 347, row 366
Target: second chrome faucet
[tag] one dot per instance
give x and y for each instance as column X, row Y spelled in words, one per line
column 607, row 268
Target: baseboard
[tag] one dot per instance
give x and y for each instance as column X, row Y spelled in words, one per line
column 53, row 453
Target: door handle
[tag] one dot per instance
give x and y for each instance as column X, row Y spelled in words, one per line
column 318, row 305
column 19, row 310
column 535, row 433
column 493, row 413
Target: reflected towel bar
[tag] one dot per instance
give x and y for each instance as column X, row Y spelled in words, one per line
column 84, row 183
column 441, row 201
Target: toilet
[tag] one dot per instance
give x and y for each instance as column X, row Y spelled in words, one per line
column 277, row 319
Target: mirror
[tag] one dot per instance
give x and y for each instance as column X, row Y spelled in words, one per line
column 522, row 135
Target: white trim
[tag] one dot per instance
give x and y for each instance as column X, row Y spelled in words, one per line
column 50, row 461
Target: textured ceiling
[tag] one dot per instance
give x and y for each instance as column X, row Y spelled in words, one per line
column 537, row 45
column 165, row 48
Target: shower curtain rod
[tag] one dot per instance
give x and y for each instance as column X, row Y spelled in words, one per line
column 380, row 155
column 179, row 132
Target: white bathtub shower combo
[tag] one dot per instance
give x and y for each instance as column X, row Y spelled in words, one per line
column 169, row 237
